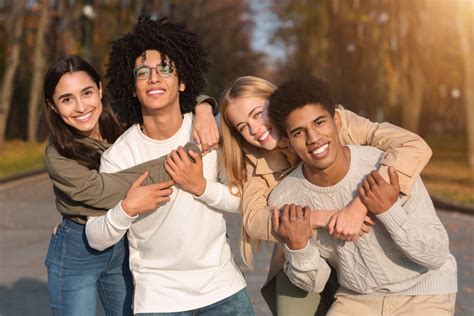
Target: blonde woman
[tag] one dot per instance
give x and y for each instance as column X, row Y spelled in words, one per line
column 256, row 159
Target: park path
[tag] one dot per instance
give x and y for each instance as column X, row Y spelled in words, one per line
column 27, row 216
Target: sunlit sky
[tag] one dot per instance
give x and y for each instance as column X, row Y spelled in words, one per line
column 265, row 23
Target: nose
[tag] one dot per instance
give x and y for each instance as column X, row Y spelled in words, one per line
column 154, row 77
column 254, row 127
column 313, row 136
column 80, row 106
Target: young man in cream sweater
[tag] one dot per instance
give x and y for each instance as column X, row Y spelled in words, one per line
column 179, row 255
column 403, row 266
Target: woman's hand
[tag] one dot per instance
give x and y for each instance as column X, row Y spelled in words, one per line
column 187, row 174
column 351, row 222
column 141, row 199
column 205, row 131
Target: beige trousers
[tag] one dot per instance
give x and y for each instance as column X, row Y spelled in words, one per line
column 433, row 305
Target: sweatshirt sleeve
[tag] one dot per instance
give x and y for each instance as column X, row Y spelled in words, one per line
column 106, row 230
column 306, row 268
column 407, row 152
column 205, row 98
column 100, row 191
column 416, row 228
column 218, row 194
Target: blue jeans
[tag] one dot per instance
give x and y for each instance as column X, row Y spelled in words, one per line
column 77, row 272
column 237, row 304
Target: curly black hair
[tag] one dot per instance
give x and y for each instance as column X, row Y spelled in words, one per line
column 297, row 93
column 174, row 43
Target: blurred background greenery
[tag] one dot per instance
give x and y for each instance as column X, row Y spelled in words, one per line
column 409, row 62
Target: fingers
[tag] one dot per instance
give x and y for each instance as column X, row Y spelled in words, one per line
column 377, row 177
column 276, row 219
column 332, row 224
column 365, row 229
column 196, row 137
column 195, row 156
column 366, row 187
column 393, row 177
column 370, row 179
column 138, row 182
column 369, row 221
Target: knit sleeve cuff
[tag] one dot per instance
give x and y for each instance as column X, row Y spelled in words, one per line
column 394, row 217
column 305, row 259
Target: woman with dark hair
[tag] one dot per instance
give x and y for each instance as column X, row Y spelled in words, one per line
column 81, row 128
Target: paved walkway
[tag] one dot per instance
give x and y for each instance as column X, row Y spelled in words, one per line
column 27, row 216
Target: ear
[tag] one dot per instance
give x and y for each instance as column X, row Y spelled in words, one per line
column 182, row 86
column 338, row 121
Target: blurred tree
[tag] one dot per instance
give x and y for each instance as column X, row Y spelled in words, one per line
column 39, row 64
column 15, row 13
column 465, row 13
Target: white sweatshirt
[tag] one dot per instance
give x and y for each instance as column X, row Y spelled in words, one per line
column 179, row 255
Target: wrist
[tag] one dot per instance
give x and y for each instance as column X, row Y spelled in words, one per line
column 200, row 188
column 296, row 245
column 203, row 107
column 127, row 208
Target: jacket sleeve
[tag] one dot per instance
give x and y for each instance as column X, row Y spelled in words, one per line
column 99, row 191
column 415, row 227
column 256, row 214
column 306, row 268
column 407, row 152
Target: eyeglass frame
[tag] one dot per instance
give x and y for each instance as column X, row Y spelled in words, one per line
column 162, row 65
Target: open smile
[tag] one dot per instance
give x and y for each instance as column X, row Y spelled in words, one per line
column 320, row 152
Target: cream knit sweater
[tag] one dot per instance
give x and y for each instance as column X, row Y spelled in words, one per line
column 406, row 252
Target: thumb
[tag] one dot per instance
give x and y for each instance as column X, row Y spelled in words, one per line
column 138, row 182
column 393, row 177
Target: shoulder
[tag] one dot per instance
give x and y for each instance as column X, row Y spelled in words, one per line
column 124, row 141
column 288, row 187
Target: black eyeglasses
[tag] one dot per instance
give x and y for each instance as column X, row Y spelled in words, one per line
column 143, row 72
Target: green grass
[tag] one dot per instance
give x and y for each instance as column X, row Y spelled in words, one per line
column 18, row 157
column 448, row 175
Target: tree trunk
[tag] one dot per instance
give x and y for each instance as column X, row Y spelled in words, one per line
column 38, row 71
column 11, row 66
column 466, row 38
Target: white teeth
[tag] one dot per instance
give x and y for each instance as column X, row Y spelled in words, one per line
column 265, row 135
column 320, row 150
column 156, row 91
column 84, row 117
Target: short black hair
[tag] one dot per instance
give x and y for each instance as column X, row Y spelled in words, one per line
column 297, row 93
column 173, row 42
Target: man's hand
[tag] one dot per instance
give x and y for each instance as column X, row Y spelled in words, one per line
column 187, row 174
column 293, row 227
column 351, row 222
column 141, row 199
column 205, row 131
column 378, row 195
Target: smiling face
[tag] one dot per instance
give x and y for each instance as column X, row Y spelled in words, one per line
column 77, row 100
column 156, row 92
column 313, row 135
column 248, row 116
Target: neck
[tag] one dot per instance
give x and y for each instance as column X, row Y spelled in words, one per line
column 332, row 174
column 161, row 124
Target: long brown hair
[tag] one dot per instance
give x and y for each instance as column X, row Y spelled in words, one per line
column 233, row 158
column 64, row 137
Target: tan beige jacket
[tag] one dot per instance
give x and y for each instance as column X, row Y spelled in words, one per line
column 407, row 152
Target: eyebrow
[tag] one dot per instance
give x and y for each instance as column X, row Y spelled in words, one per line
column 299, row 127
column 249, row 115
column 67, row 95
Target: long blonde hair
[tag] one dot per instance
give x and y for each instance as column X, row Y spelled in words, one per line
column 233, row 158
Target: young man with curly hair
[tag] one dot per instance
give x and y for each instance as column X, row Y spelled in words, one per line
column 403, row 265
column 179, row 255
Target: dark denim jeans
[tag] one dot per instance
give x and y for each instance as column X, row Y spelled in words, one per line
column 237, row 304
column 77, row 272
